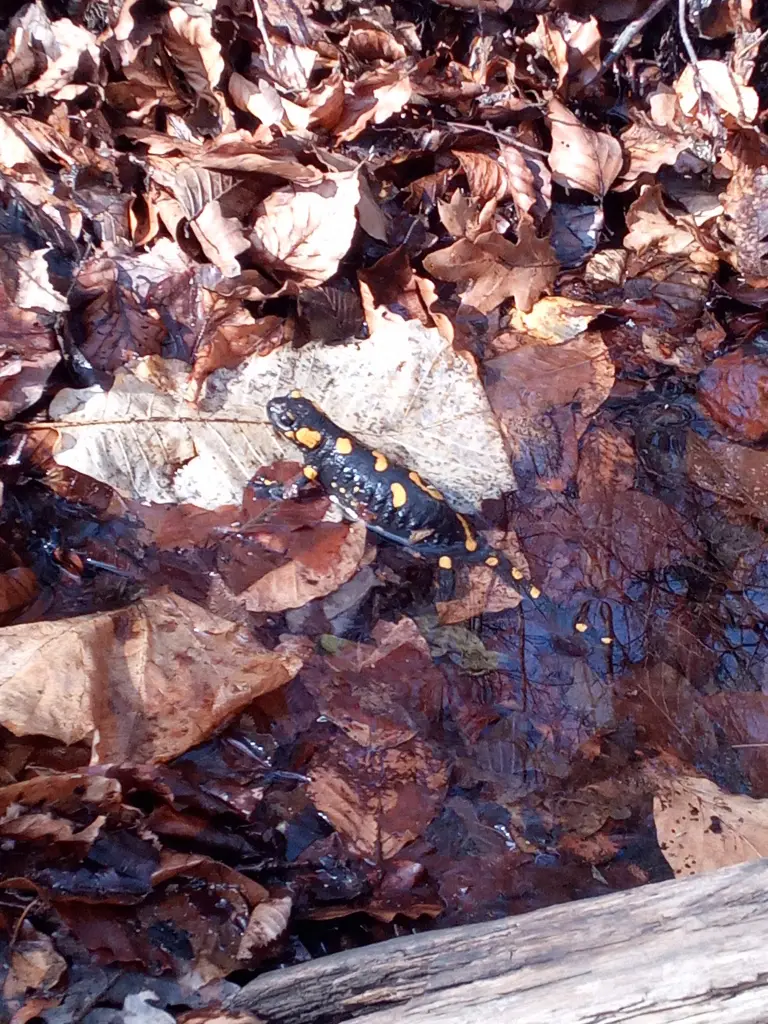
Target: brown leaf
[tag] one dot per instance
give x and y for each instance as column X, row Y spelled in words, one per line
column 649, row 147
column 332, row 558
column 307, row 233
column 318, row 108
column 702, row 828
column 729, row 94
column 572, row 47
column 195, row 52
column 34, row 966
column 147, row 680
column 495, row 269
column 380, row 800
column 375, row 97
column 731, row 470
column 260, row 98
column 370, row 42
column 581, row 158
column 734, row 391
column 745, row 206
column 222, row 238
column 391, row 282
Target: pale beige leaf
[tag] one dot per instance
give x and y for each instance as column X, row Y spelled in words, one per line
column 581, row 158
column 320, row 107
column 221, row 238
column 258, row 98
column 146, row 682
column 35, row 290
column 308, row 232
column 729, row 93
column 404, row 388
column 702, row 828
column 555, row 319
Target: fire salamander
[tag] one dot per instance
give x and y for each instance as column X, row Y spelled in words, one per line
column 390, row 499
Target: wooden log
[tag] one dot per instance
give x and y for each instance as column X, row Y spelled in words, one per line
column 694, row 949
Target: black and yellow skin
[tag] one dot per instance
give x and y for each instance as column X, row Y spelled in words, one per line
column 390, row 499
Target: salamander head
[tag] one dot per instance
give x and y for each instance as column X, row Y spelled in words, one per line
column 298, row 419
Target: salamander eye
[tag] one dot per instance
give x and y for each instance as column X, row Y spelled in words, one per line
column 281, row 414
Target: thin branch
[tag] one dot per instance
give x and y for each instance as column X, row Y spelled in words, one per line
column 626, row 37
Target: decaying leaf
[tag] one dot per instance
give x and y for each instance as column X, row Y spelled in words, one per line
column 379, row 799
column 145, row 682
column 702, row 828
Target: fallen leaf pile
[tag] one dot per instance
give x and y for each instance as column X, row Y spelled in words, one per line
column 523, row 252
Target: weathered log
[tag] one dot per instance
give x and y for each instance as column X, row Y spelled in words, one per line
column 694, row 949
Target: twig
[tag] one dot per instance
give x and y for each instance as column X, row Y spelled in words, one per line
column 504, row 136
column 626, row 37
column 683, row 26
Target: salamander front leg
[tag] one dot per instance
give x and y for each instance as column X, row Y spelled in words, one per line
column 264, row 487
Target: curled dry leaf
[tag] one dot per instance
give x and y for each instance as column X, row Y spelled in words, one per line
column 147, row 682
column 374, row 97
column 581, row 158
column 306, row 233
column 318, row 108
column 494, row 269
column 196, row 53
column 380, row 800
column 572, row 47
column 370, row 42
column 702, row 828
column 555, row 319
column 267, row 922
column 258, row 98
column 436, row 420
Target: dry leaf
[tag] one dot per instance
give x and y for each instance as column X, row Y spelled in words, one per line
column 730, row 95
column 375, row 97
column 730, row 470
column 745, row 206
column 581, row 158
column 147, row 682
column 494, row 269
column 268, row 920
column 382, row 799
column 702, row 828
column 260, row 99
column 307, row 232
column 404, row 389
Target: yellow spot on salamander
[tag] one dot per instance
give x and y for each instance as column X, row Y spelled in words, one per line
column 343, row 445
column 427, row 488
column 296, row 394
column 342, row 490
column 381, row 463
column 517, row 573
column 310, row 472
column 581, row 627
column 399, row 495
column 493, row 560
column 607, row 640
column 470, row 543
column 308, row 437
column 291, row 434
column 535, row 593
column 445, row 562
